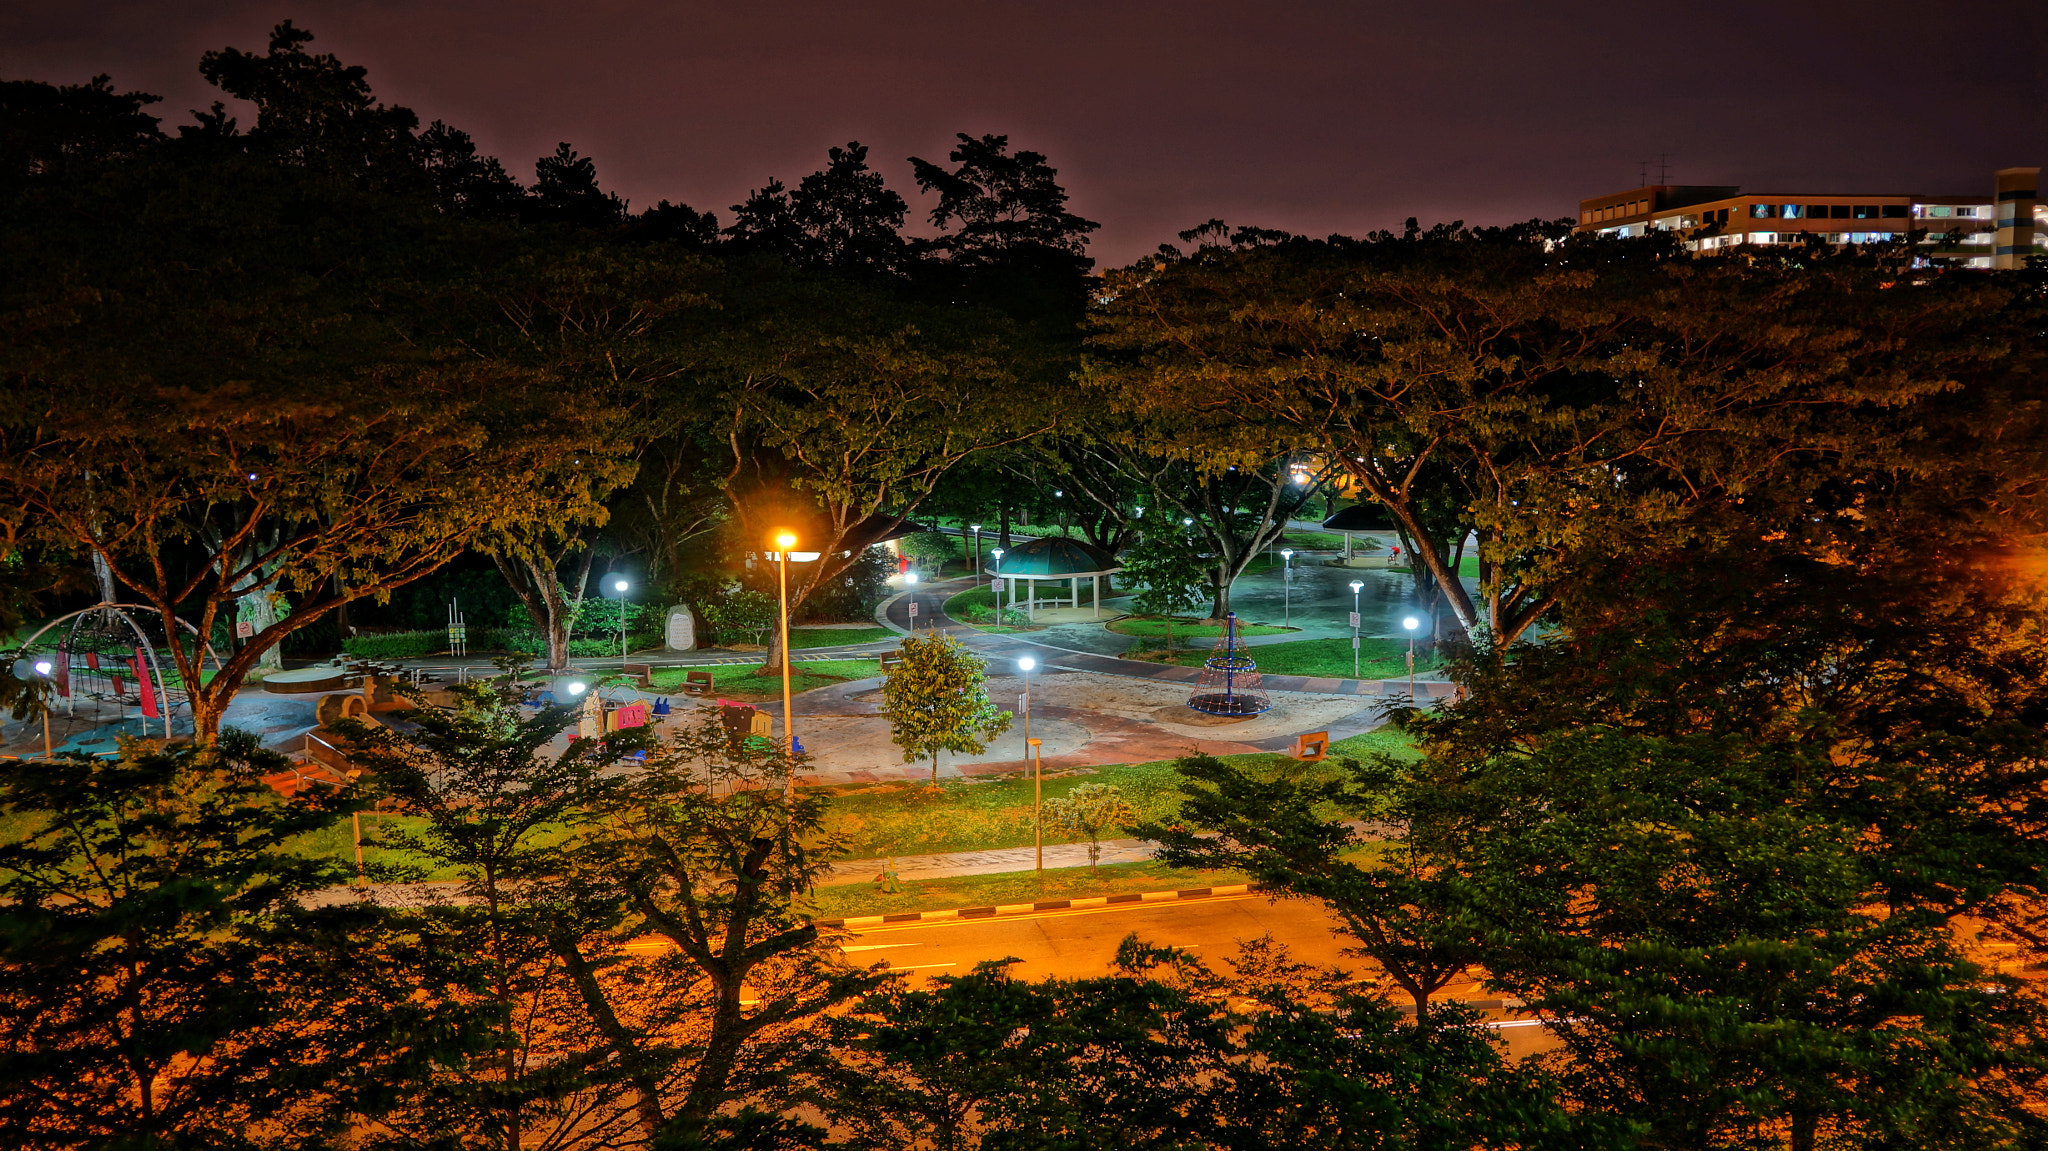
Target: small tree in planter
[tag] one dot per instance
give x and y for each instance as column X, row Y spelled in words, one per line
column 741, row 615
column 1088, row 811
column 937, row 700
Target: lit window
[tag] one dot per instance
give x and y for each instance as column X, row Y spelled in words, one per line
column 1938, row 211
column 1791, row 211
column 1763, row 211
column 1865, row 212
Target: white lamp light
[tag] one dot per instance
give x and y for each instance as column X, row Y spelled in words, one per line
column 575, row 687
column 909, row 577
column 1356, row 587
column 1411, row 623
column 43, row 667
column 1026, row 663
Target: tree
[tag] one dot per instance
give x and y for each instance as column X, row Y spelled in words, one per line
column 709, row 850
column 1087, row 811
column 275, row 401
column 504, row 819
column 843, row 218
column 565, row 191
column 937, row 700
column 1584, row 400
column 163, row 978
column 1403, row 904
column 844, row 407
column 934, row 548
column 1010, row 237
column 1170, row 572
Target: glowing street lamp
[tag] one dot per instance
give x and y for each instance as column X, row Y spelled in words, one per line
column 783, row 542
column 619, row 587
column 995, row 583
column 1356, row 587
column 976, row 529
column 39, row 669
column 1287, row 586
column 1025, row 665
column 1411, row 623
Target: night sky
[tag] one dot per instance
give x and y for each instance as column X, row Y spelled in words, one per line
column 1314, row 117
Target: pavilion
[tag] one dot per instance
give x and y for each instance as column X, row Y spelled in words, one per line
column 1054, row 559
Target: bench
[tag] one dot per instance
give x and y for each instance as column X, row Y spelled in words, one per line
column 891, row 660
column 697, row 683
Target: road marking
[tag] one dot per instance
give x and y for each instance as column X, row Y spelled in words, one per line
column 878, row 946
column 1067, row 913
column 919, row 967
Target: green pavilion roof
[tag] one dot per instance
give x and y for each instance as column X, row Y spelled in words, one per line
column 1052, row 557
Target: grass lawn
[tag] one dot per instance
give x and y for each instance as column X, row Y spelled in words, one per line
column 849, row 899
column 739, row 681
column 1182, row 629
column 801, row 638
column 1329, row 658
column 908, row 819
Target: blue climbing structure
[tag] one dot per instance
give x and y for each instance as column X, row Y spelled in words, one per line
column 1230, row 680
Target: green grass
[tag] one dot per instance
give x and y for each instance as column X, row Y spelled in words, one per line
column 843, row 900
column 1182, row 629
column 909, row 819
column 801, row 638
column 1328, row 658
column 739, row 681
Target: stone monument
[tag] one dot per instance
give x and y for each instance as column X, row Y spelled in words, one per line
column 681, row 632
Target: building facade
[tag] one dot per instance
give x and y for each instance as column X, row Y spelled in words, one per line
column 1994, row 231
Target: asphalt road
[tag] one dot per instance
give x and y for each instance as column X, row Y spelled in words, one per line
column 1081, row 942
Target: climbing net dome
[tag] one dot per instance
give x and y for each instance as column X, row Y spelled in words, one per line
column 1230, row 682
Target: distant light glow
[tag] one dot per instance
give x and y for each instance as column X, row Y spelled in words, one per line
column 43, row 667
column 785, row 541
column 909, row 577
column 576, row 687
column 619, row 585
column 1411, row 623
column 1026, row 664
column 1356, row 586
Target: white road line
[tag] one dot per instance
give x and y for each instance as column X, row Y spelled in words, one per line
column 878, row 946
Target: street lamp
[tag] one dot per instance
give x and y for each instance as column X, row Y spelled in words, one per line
column 1356, row 587
column 910, row 582
column 41, row 669
column 977, row 549
column 1025, row 665
column 785, row 541
column 1287, row 586
column 619, row 587
column 1411, row 623
column 995, row 583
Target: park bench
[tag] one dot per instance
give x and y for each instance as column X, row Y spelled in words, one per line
column 891, row 660
column 697, row 683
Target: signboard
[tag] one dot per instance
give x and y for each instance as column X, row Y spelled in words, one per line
column 913, row 609
column 681, row 632
column 244, row 629
column 631, row 715
column 1354, row 619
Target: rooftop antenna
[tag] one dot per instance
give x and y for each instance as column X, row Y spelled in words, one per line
column 1663, row 167
column 1642, row 173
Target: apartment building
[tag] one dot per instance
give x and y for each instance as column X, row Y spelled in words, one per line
column 1994, row 231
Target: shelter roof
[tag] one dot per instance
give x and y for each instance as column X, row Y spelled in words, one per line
column 1367, row 517
column 1055, row 557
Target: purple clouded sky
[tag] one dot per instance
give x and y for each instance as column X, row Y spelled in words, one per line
column 1314, row 117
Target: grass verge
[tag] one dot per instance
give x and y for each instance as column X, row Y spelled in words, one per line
column 1153, row 626
column 1327, row 658
column 742, row 681
column 850, row 899
column 801, row 638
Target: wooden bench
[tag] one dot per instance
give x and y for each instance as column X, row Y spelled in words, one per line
column 891, row 660
column 697, row 683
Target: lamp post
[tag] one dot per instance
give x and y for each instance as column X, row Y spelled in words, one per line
column 619, row 586
column 785, row 541
column 995, row 583
column 1038, row 772
column 1287, row 586
column 977, row 549
column 40, row 669
column 1356, row 587
column 910, row 583
column 1411, row 623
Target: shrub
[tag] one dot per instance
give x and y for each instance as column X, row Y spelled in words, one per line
column 420, row 644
